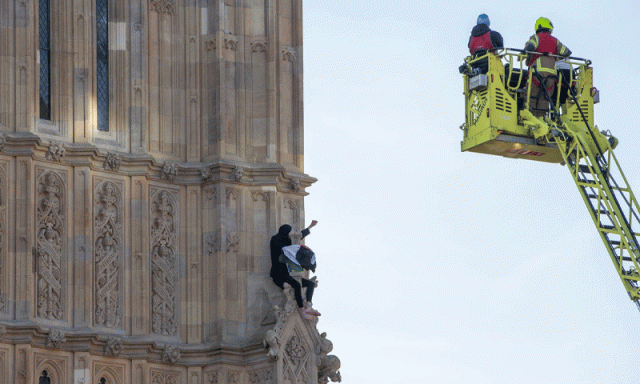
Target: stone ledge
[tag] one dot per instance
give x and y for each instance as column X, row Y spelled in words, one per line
column 138, row 348
column 133, row 164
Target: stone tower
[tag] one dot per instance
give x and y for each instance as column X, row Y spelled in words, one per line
column 148, row 151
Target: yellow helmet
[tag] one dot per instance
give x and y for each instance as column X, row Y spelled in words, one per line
column 543, row 22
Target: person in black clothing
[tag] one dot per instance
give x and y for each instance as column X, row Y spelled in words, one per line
column 483, row 39
column 280, row 273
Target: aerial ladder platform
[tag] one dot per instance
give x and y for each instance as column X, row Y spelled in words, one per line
column 498, row 121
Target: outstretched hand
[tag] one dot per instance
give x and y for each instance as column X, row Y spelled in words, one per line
column 313, row 223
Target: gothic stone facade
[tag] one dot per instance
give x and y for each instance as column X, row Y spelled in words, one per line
column 134, row 242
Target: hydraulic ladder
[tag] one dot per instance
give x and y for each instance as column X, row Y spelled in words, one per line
column 606, row 193
column 610, row 201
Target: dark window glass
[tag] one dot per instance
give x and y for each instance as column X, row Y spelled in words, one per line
column 103, row 381
column 44, row 378
column 44, row 33
column 102, row 65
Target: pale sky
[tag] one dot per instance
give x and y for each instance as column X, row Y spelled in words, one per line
column 437, row 266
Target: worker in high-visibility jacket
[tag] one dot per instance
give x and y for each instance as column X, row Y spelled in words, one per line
column 542, row 65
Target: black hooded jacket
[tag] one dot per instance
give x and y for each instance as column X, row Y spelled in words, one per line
column 481, row 29
column 281, row 239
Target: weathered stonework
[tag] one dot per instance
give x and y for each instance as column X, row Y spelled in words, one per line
column 139, row 254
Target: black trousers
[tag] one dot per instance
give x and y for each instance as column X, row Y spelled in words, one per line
column 297, row 288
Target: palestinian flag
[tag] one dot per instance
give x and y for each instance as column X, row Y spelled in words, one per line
column 298, row 258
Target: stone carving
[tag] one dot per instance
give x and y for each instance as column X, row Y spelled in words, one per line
column 169, row 170
column 324, row 346
column 112, row 162
column 212, row 378
column 49, row 235
column 211, row 244
column 163, row 264
column 139, row 375
column 21, row 366
column 55, row 152
column 231, row 44
column 3, row 330
column 295, row 364
column 113, row 347
column 258, row 47
column 294, row 184
column 329, row 370
column 108, row 246
column 263, row 376
column 272, row 337
column 211, row 194
column 55, row 339
column 206, row 173
column 272, row 341
column 164, row 378
column 210, row 45
column 233, row 377
column 162, row 6
column 289, row 56
column 328, row 365
column 171, row 353
column 259, row 196
column 236, row 173
column 3, row 142
column 232, row 242
column 295, row 350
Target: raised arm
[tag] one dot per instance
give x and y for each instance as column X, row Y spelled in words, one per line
column 305, row 232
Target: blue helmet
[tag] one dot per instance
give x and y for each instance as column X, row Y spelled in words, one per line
column 484, row 19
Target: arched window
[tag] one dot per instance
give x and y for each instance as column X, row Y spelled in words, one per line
column 102, row 64
column 103, row 381
column 44, row 36
column 44, row 378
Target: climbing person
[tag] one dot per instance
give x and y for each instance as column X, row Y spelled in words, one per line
column 539, row 47
column 280, row 272
column 483, row 40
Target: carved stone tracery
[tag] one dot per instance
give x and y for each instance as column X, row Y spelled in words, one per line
column 161, row 377
column 212, row 378
column 295, row 364
column 258, row 47
column 262, row 376
column 163, row 264
column 49, row 246
column 231, row 44
column 295, row 350
column 162, row 6
column 108, row 247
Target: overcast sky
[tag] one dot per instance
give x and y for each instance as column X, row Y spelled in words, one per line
column 448, row 267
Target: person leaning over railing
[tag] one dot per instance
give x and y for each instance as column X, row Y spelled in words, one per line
column 544, row 66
